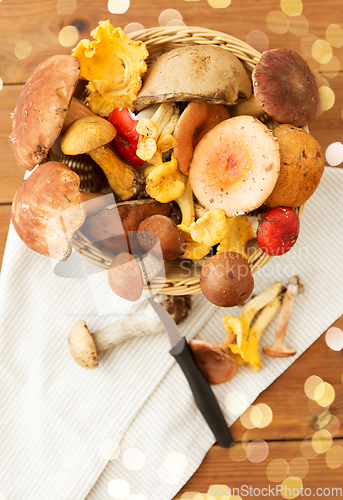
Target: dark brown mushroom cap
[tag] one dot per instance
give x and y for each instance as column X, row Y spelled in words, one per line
column 226, row 279
column 285, row 87
column 125, row 277
column 41, row 108
column 161, row 229
column 217, row 366
column 46, row 209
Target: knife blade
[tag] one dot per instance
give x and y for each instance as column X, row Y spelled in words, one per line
column 202, row 392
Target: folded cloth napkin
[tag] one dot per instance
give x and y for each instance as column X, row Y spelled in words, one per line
column 130, row 429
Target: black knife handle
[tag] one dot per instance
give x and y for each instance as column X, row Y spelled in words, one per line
column 202, row 392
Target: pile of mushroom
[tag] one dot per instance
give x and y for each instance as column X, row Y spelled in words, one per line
column 183, row 149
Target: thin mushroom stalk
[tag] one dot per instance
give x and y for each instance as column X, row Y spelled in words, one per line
column 279, row 349
column 85, row 346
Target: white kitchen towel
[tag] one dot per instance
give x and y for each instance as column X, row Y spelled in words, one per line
column 131, row 427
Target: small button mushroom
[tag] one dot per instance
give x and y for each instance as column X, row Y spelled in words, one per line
column 127, row 276
column 85, row 347
column 47, row 209
column 235, row 166
column 216, row 363
column 159, row 228
column 91, row 135
column 195, row 121
column 226, row 279
column 285, row 87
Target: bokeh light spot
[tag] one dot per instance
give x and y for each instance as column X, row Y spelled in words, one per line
column 277, row 470
column 255, row 416
column 321, row 441
column 166, row 477
column 258, row 40
column 326, row 396
column 334, row 35
column 134, row 459
column 131, row 27
column 310, row 386
column 291, row 7
column 257, row 451
column 299, row 467
column 2, row 496
column 109, row 449
column 291, row 487
column 68, row 36
column 306, row 44
column 69, row 457
column 277, row 22
column 237, row 452
column 334, row 457
column 219, row 4
column 22, row 49
column 334, row 335
column 175, row 462
column 219, row 492
column 1, row 84
column 193, row 495
column 169, row 15
column 118, row 489
column 175, row 22
column 298, row 25
column 326, row 98
column 245, row 418
column 321, row 51
column 266, row 414
column 118, row 6
column 236, row 402
column 66, row 7
column 306, row 448
column 331, row 68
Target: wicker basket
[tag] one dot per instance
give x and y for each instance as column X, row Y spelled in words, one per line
column 158, row 41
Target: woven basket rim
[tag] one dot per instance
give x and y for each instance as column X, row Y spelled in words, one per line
column 155, row 38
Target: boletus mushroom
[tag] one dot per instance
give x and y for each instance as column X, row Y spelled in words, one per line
column 195, row 73
column 116, row 226
column 235, row 166
column 43, row 107
column 226, row 279
column 161, row 229
column 285, row 87
column 47, row 209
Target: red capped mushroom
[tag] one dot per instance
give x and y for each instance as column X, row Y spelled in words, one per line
column 47, row 209
column 235, row 166
column 285, row 87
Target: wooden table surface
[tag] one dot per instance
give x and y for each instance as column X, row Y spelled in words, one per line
column 29, row 32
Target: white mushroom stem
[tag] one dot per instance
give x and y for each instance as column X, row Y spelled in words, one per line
column 150, row 266
column 279, row 349
column 132, row 326
column 248, row 107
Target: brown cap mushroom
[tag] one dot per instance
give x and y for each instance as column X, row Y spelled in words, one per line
column 41, row 108
column 116, row 226
column 226, row 279
column 214, row 361
column 195, row 121
column 285, row 87
column 235, row 166
column 160, row 229
column 195, row 73
column 46, row 210
column 301, row 169
column 91, row 134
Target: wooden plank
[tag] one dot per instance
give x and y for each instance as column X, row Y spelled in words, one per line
column 39, row 22
column 254, row 480
column 10, row 173
column 5, row 216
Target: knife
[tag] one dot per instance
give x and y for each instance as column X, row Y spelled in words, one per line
column 202, row 392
